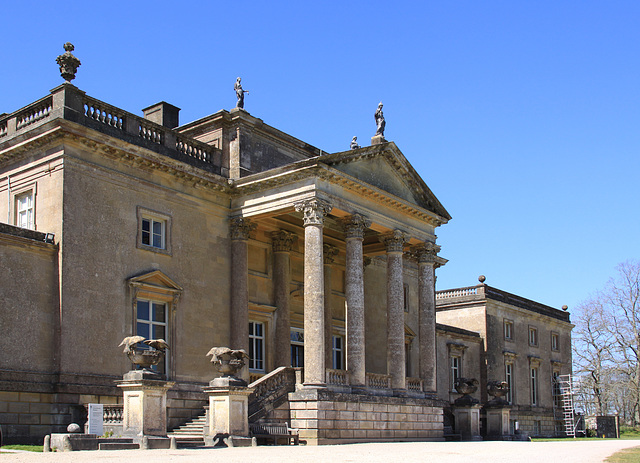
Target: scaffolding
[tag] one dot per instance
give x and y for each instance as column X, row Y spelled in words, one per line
column 563, row 404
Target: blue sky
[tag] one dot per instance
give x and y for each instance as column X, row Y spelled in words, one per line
column 522, row 117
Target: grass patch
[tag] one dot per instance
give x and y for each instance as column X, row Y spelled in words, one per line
column 29, row 448
column 631, row 455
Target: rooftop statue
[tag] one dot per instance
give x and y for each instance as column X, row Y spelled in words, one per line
column 380, row 122
column 239, row 93
column 68, row 63
column 354, row 143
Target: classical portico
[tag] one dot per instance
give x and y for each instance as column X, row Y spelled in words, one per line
column 320, row 213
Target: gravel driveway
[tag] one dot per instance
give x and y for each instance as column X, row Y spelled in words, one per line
column 445, row 452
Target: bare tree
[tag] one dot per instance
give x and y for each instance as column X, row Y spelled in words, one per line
column 593, row 355
column 607, row 346
column 622, row 297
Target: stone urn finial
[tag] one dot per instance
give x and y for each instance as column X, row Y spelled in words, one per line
column 144, row 353
column 497, row 389
column 466, row 386
column 68, row 63
column 228, row 362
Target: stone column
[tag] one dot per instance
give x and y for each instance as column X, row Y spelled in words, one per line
column 396, row 367
column 330, row 253
column 282, row 241
column 314, row 211
column 354, row 227
column 240, row 229
column 426, row 255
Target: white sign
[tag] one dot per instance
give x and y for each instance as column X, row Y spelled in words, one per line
column 96, row 419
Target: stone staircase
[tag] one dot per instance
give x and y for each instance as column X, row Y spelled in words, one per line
column 191, row 433
column 270, row 391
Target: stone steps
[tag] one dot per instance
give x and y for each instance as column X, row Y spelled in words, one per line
column 118, row 446
column 190, row 434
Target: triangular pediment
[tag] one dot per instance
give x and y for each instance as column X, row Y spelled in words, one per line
column 157, row 279
column 385, row 168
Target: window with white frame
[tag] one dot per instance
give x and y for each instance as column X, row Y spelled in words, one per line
column 456, row 370
column 154, row 231
column 337, row 349
column 534, row 386
column 508, row 377
column 151, row 323
column 508, row 330
column 533, row 336
column 256, row 346
column 555, row 341
column 297, row 348
column 25, row 217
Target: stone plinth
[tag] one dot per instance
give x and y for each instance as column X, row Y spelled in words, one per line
column 145, row 405
column 467, row 421
column 228, row 414
column 325, row 417
column 377, row 140
column 498, row 421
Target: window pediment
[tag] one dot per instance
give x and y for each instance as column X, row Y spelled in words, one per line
column 155, row 285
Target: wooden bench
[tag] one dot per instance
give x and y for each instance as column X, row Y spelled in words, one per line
column 275, row 431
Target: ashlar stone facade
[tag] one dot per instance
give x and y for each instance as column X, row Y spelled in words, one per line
column 227, row 232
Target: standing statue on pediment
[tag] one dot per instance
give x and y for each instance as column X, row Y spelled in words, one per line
column 380, row 122
column 239, row 93
column 354, row 143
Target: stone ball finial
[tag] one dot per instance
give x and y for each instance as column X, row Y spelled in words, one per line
column 74, row 428
column 482, row 278
column 68, row 63
column 565, row 307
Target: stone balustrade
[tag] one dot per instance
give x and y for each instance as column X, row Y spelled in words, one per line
column 458, row 292
column 414, row 384
column 70, row 103
column 112, row 414
column 34, row 112
column 337, row 377
column 374, row 380
column 4, row 129
column 378, row 381
column 102, row 112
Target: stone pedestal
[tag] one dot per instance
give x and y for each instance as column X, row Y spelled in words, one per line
column 145, row 405
column 467, row 421
column 377, row 140
column 228, row 415
column 498, row 421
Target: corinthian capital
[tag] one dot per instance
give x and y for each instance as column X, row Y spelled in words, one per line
column 394, row 241
column 355, row 225
column 426, row 253
column 313, row 211
column 282, row 240
column 240, row 228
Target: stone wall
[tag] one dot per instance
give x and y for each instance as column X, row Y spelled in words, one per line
column 326, row 417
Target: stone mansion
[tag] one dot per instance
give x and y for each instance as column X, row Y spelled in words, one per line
column 226, row 231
